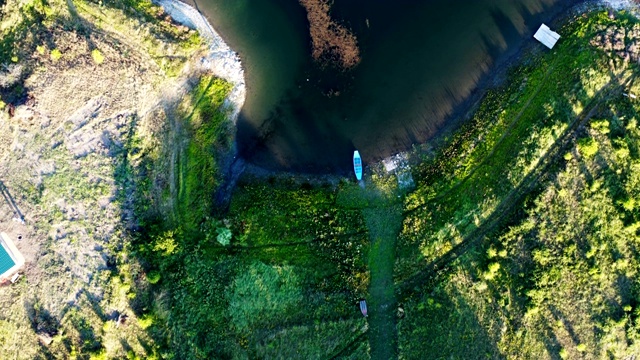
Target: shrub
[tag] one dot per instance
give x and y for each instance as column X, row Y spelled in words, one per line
column 98, row 355
column 588, row 147
column 601, row 126
column 55, row 54
column 629, row 204
column 224, row 236
column 563, row 353
column 166, row 244
column 97, row 56
column 146, row 321
column 153, row 277
column 492, row 272
column 212, row 227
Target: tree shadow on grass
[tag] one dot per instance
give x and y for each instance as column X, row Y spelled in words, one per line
column 515, row 194
column 439, row 269
column 6, row 194
column 441, row 323
column 43, row 323
column 17, row 45
column 187, row 280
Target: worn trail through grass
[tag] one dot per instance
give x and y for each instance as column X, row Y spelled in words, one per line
column 384, row 224
column 382, row 212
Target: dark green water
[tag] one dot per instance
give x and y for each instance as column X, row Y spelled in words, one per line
column 420, row 61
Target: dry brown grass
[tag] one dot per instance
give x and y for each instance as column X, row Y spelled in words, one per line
column 331, row 42
column 59, row 156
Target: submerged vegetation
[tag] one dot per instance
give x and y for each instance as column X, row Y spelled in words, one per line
column 331, row 42
column 519, row 241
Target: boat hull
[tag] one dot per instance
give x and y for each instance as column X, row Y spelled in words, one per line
column 357, row 165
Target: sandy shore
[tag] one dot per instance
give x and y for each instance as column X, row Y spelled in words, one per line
column 221, row 60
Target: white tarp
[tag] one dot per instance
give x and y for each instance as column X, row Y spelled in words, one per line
column 546, row 36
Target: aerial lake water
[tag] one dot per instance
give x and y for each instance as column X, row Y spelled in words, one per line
column 420, row 61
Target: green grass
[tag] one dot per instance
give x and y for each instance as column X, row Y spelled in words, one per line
column 248, row 307
column 299, row 257
column 316, row 340
column 209, row 134
column 561, row 280
column 295, row 245
column 445, row 324
column 557, row 277
column 504, row 142
column 263, row 214
column 384, row 224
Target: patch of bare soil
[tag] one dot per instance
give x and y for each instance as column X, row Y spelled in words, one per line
column 332, row 43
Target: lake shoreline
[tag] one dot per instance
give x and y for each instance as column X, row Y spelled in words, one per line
column 225, row 63
column 494, row 79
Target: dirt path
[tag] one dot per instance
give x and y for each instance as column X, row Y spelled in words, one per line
column 384, row 224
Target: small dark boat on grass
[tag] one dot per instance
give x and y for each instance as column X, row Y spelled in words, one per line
column 363, row 307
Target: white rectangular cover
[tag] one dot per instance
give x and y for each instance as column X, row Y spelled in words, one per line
column 546, row 36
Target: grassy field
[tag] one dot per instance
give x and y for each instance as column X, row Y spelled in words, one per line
column 560, row 280
column 519, row 241
column 532, row 234
column 272, row 282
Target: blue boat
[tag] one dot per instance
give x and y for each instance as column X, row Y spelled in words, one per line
column 357, row 165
